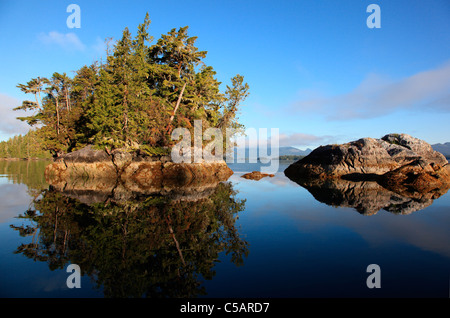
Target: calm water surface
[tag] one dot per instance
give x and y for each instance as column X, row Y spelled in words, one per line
column 243, row 238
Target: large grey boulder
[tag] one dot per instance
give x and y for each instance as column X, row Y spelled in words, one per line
column 404, row 149
column 363, row 156
column 398, row 162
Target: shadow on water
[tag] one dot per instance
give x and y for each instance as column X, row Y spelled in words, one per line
column 135, row 244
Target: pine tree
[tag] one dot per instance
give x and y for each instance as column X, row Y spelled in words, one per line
column 135, row 98
column 176, row 54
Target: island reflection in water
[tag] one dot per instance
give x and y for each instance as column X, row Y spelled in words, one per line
column 135, row 244
column 121, row 236
column 368, row 197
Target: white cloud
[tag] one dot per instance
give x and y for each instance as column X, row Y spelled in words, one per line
column 376, row 96
column 254, row 139
column 9, row 124
column 99, row 47
column 300, row 139
column 68, row 41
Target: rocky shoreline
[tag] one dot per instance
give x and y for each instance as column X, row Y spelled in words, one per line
column 89, row 169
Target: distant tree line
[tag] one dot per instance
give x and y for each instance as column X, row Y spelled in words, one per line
column 28, row 146
column 135, row 98
column 291, row 157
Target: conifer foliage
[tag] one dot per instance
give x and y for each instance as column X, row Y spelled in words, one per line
column 133, row 100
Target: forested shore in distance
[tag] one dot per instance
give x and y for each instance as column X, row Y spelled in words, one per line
column 25, row 147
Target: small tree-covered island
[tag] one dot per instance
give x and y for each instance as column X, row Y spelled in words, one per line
column 115, row 118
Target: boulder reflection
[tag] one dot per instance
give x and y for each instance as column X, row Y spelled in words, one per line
column 136, row 244
column 368, row 197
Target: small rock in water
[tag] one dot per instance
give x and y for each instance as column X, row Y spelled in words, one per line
column 256, row 175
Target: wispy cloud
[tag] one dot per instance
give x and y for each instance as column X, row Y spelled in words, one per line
column 99, row 47
column 68, row 41
column 253, row 139
column 376, row 96
column 9, row 124
column 300, row 139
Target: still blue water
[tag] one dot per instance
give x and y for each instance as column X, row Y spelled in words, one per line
column 297, row 247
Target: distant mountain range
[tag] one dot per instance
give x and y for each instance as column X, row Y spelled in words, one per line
column 292, row 151
column 282, row 151
column 443, row 149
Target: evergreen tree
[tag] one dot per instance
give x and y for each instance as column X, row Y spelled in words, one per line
column 135, row 98
column 28, row 146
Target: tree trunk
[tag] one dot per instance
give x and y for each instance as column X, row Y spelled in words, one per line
column 178, row 103
column 57, row 116
column 177, row 245
column 125, row 113
column 67, row 100
column 28, row 150
column 37, row 101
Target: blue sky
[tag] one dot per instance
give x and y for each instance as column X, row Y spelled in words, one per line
column 315, row 70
